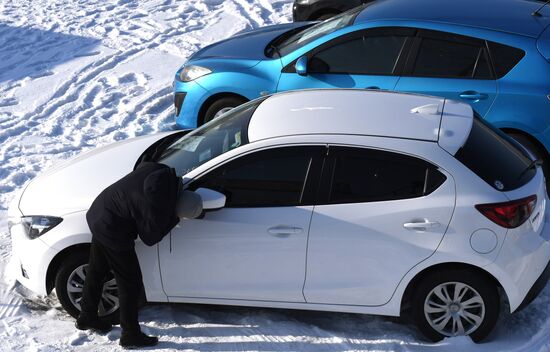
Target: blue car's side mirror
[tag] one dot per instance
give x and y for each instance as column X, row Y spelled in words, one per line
column 301, row 66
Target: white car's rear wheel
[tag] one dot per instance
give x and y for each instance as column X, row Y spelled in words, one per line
column 454, row 309
column 456, row 303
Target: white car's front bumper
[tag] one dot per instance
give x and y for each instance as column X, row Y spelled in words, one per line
column 32, row 258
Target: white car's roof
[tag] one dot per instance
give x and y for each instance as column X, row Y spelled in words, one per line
column 363, row 112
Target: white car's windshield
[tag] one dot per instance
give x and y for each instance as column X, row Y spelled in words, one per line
column 211, row 140
column 308, row 35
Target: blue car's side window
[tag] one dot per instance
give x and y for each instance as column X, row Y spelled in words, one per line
column 504, row 57
column 445, row 55
column 439, row 58
column 363, row 55
column 375, row 51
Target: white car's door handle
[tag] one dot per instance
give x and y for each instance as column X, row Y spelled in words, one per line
column 421, row 226
column 283, row 231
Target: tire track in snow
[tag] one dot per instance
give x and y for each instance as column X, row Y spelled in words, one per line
column 68, row 117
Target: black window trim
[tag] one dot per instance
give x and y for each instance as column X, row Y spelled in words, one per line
column 329, row 167
column 399, row 65
column 449, row 37
column 492, row 60
column 310, row 188
column 404, row 64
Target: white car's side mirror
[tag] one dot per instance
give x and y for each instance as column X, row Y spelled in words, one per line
column 189, row 205
column 211, row 199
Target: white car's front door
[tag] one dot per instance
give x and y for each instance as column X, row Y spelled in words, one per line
column 255, row 247
column 382, row 213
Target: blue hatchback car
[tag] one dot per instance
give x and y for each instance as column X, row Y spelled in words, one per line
column 493, row 54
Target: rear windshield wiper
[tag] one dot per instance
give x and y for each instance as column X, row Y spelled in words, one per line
column 532, row 164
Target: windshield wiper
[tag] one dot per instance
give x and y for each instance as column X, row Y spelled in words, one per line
column 275, row 43
column 273, row 48
column 532, row 164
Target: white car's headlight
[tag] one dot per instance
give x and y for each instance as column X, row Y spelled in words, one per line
column 192, row 72
column 302, row 2
column 36, row 226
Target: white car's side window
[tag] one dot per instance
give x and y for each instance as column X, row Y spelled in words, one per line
column 273, row 177
column 367, row 175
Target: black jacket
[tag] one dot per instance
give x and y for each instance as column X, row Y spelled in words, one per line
column 141, row 203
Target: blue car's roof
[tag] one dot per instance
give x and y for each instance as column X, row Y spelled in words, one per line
column 513, row 16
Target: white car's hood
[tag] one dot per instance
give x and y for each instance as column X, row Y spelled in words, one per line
column 73, row 185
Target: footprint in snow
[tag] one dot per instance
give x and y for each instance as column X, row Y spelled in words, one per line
column 78, row 338
column 42, row 74
column 8, row 102
column 137, row 78
column 91, row 53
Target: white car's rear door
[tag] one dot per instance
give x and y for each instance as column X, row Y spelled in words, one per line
column 382, row 213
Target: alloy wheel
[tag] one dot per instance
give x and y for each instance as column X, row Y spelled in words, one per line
column 222, row 111
column 454, row 309
column 109, row 298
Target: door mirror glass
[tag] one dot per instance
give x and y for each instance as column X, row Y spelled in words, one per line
column 301, row 66
column 211, row 199
column 189, row 205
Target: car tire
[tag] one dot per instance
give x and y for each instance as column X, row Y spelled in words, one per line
column 438, row 318
column 536, row 150
column 221, row 106
column 71, row 274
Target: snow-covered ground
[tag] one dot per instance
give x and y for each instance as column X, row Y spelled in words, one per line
column 83, row 73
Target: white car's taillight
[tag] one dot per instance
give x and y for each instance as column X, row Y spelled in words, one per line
column 509, row 214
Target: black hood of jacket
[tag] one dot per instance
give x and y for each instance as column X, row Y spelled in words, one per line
column 142, row 203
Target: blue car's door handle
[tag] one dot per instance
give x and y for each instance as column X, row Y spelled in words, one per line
column 472, row 95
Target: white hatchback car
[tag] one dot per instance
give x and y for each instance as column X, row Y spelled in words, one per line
column 336, row 200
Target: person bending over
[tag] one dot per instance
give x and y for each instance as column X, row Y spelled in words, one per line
column 142, row 203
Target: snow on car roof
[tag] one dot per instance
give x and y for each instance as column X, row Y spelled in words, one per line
column 347, row 111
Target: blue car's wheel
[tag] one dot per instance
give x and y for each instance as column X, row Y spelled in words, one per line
column 221, row 106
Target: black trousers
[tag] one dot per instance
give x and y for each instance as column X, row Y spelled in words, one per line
column 127, row 272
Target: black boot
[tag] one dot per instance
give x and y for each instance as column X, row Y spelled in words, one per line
column 134, row 340
column 85, row 323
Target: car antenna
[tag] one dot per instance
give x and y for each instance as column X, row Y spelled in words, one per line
column 537, row 13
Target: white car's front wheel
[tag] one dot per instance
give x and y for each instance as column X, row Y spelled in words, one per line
column 456, row 303
column 69, row 284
